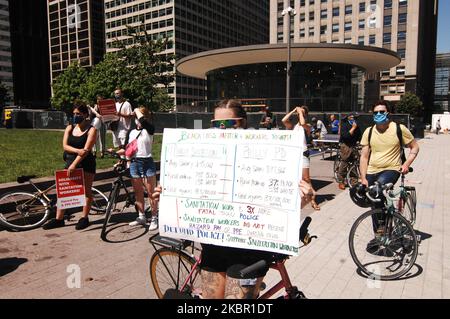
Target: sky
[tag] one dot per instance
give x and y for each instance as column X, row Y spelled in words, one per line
column 444, row 27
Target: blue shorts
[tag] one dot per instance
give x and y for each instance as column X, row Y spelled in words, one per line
column 142, row 167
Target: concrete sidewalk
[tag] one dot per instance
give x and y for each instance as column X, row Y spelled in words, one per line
column 39, row 264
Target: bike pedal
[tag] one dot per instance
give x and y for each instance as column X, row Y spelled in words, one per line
column 419, row 239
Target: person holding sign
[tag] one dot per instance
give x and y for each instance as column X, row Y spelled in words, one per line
column 221, row 265
column 78, row 140
column 301, row 112
column 142, row 167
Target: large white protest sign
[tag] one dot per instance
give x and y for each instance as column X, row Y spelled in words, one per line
column 236, row 188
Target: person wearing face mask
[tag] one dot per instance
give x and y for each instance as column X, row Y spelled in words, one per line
column 381, row 155
column 142, row 166
column 78, row 140
column 124, row 112
column 348, row 139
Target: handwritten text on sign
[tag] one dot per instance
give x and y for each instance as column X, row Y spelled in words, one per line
column 235, row 188
column 70, row 190
column 107, row 109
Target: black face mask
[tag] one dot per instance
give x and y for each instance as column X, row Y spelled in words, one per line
column 77, row 119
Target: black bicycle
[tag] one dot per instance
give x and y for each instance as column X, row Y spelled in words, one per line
column 115, row 198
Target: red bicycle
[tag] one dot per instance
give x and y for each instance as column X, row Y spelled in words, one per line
column 175, row 271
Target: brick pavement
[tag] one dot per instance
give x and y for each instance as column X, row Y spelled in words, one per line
column 33, row 264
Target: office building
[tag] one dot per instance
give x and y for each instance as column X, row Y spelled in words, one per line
column 6, row 74
column 408, row 27
column 76, row 31
column 442, row 84
column 193, row 26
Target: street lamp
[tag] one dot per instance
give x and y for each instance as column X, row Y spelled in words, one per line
column 291, row 12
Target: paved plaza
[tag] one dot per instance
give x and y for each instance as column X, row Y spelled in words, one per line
column 38, row 263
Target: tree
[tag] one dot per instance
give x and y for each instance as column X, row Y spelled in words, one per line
column 67, row 87
column 410, row 104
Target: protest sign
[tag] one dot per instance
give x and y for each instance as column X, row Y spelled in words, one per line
column 107, row 109
column 236, row 188
column 70, row 190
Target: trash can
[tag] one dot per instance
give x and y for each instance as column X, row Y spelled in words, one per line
column 7, row 118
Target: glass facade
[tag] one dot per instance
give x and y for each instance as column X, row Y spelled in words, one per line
column 442, row 84
column 321, row 86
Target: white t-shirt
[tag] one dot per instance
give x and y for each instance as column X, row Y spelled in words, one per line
column 124, row 123
column 322, row 128
column 145, row 143
column 298, row 127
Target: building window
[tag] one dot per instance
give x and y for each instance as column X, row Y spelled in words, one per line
column 348, row 9
column 347, row 26
column 387, row 21
column 403, row 3
column 372, row 39
column 362, row 24
column 280, row 36
column 401, row 53
column 387, row 4
column 385, row 73
column 302, row 17
column 302, row 33
column 400, row 71
column 361, row 40
column 401, row 36
column 373, row 22
column 323, row 29
column 386, row 38
column 323, row 1
column 311, row 31
column 323, row 14
column 362, row 7
column 402, row 18
column 311, row 2
column 335, row 27
column 336, row 12
column 311, row 16
column 302, row 3
column 348, row 40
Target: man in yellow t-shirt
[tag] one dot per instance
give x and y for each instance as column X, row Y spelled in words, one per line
column 385, row 163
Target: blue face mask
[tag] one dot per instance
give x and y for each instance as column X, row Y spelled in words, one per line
column 380, row 118
column 351, row 122
column 77, row 119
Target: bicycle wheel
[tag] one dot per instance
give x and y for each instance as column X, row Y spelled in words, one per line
column 387, row 253
column 337, row 163
column 109, row 209
column 170, row 268
column 407, row 205
column 23, row 211
column 99, row 202
column 353, row 175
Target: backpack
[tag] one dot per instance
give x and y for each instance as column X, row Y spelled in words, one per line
column 400, row 139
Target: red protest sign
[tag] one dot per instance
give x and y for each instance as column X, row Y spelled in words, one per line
column 107, row 109
column 70, row 190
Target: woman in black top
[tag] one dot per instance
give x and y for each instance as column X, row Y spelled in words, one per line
column 78, row 140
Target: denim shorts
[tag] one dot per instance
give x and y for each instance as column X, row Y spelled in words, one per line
column 142, row 167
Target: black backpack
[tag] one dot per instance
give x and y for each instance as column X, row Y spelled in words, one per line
column 400, row 138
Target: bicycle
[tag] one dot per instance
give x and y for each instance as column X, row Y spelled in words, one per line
column 26, row 210
column 382, row 242
column 175, row 272
column 117, row 185
column 352, row 175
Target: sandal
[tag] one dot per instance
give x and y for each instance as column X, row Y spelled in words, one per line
column 315, row 205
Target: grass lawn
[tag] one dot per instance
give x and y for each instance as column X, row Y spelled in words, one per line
column 37, row 152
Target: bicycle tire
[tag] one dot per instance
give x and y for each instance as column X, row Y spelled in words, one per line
column 12, row 215
column 109, row 208
column 353, row 175
column 99, row 202
column 376, row 253
column 169, row 268
column 336, row 164
column 406, row 208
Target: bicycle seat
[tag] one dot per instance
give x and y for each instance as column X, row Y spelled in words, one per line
column 24, row 179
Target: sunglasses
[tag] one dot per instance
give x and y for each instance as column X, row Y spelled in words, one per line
column 380, row 112
column 225, row 123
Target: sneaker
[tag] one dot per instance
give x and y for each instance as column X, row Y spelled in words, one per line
column 141, row 220
column 82, row 223
column 153, row 223
column 54, row 223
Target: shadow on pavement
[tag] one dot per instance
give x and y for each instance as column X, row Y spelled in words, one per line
column 415, row 271
column 8, row 265
column 319, row 184
column 323, row 198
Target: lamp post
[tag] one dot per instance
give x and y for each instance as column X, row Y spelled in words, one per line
column 290, row 12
